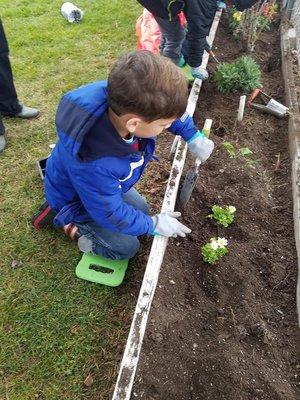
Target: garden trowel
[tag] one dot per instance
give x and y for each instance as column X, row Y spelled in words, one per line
column 192, row 175
column 270, row 106
column 213, row 56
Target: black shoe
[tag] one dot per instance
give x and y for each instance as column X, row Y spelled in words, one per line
column 43, row 217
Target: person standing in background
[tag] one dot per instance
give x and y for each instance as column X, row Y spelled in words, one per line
column 199, row 15
column 9, row 103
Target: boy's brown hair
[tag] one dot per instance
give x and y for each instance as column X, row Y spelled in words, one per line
column 148, row 85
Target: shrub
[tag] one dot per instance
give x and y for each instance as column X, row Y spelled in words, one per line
column 243, row 74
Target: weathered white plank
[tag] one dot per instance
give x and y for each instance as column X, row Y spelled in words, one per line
column 132, row 350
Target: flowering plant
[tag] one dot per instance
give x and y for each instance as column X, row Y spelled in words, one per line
column 252, row 22
column 223, row 215
column 214, row 249
column 234, row 19
column 237, row 15
column 270, row 11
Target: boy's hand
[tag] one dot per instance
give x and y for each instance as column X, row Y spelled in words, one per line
column 200, row 146
column 199, row 73
column 166, row 224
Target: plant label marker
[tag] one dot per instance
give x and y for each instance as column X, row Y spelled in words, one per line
column 241, row 108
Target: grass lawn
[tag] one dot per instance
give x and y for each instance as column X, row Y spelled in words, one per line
column 55, row 328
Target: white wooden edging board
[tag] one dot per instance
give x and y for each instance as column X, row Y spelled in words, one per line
column 133, row 347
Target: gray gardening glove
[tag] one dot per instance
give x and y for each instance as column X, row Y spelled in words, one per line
column 200, row 73
column 200, row 146
column 166, row 224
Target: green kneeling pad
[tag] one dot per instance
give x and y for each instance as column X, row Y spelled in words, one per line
column 101, row 270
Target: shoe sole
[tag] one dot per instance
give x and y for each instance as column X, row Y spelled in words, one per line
column 38, row 218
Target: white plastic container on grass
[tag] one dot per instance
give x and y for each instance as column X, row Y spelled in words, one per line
column 71, row 12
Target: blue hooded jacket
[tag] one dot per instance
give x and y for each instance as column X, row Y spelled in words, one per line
column 85, row 179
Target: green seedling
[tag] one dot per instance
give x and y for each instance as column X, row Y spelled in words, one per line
column 229, row 147
column 214, row 249
column 251, row 163
column 223, row 215
column 241, row 153
column 245, row 151
column 235, row 152
column 241, row 75
column 263, row 23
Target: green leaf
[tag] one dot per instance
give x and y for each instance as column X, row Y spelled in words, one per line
column 229, row 148
column 245, row 151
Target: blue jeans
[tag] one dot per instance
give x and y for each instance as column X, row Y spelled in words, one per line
column 172, row 37
column 108, row 244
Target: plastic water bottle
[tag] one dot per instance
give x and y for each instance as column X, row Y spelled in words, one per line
column 71, row 12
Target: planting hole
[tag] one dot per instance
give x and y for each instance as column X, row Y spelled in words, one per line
column 99, row 268
column 220, row 131
column 273, row 64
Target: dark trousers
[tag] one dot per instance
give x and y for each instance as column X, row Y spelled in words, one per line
column 172, row 37
column 9, row 104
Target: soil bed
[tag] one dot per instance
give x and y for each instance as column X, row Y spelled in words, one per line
column 228, row 331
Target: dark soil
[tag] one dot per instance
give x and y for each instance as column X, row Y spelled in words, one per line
column 228, row 331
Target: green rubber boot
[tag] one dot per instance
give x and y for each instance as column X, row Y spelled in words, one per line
column 187, row 73
column 101, row 270
column 182, row 62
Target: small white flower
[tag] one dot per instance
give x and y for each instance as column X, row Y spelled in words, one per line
column 231, row 209
column 214, row 244
column 222, row 242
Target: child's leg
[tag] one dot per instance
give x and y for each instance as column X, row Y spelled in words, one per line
column 173, row 35
column 133, row 198
column 97, row 240
column 162, row 43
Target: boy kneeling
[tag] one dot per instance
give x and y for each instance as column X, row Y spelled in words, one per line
column 106, row 136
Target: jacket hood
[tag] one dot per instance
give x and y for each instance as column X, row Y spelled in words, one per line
column 77, row 112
